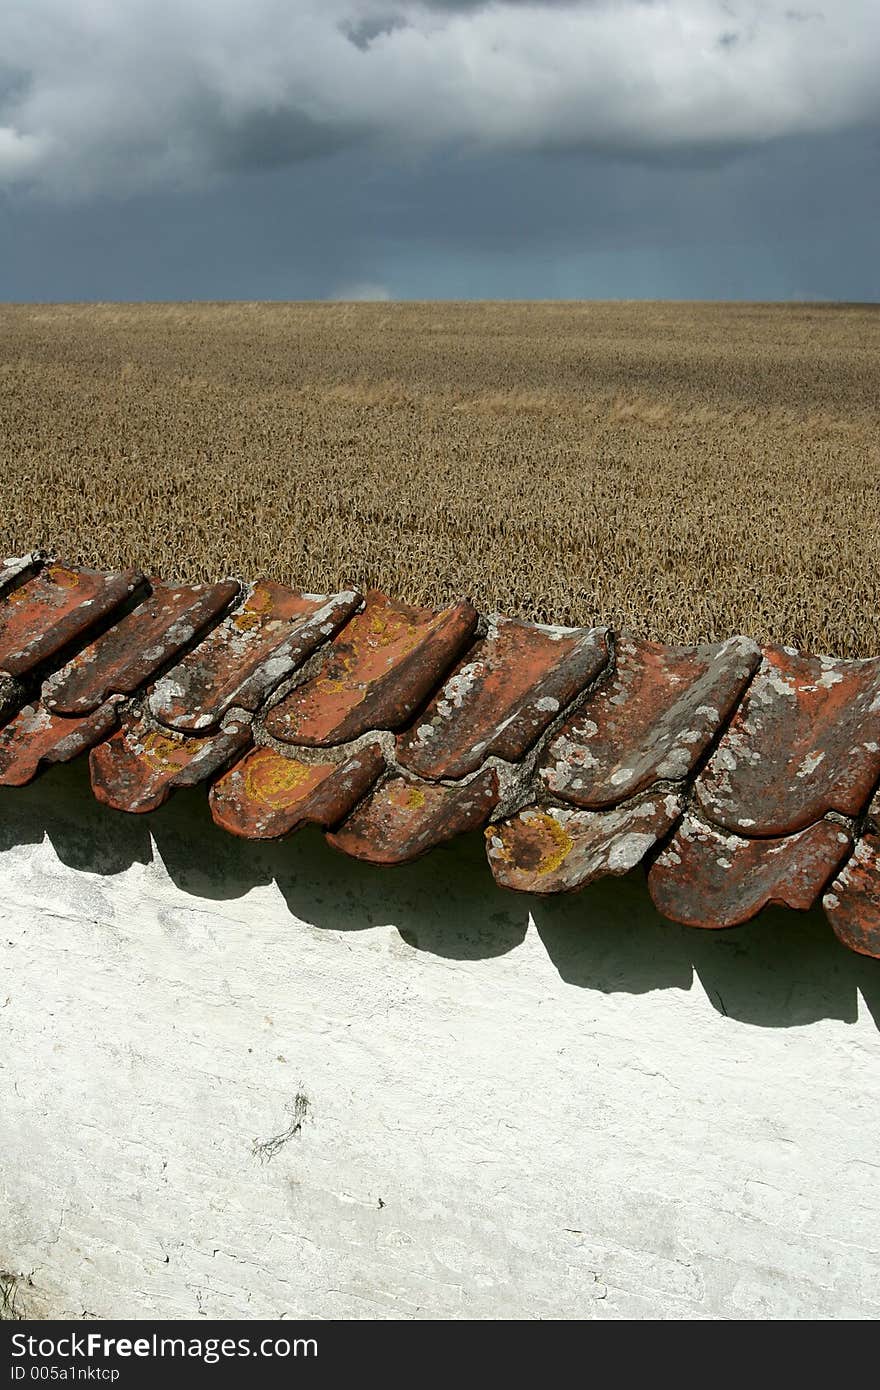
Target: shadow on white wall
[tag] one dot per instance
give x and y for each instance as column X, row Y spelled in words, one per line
column 782, row 970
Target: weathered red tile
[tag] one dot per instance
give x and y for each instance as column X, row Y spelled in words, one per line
column 35, row 738
column 267, row 794
column 404, row 818
column 501, row 697
column 16, row 567
column 248, row 655
column 651, row 718
column 12, row 695
column 55, row 607
column 556, row 849
column 806, row 740
column 129, row 653
column 852, row 903
column 139, row 767
column 705, row 878
column 376, row 673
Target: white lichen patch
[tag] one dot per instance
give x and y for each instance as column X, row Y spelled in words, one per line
column 547, row 705
column 675, row 765
column 831, row 676
column 628, row 851
column 809, row 763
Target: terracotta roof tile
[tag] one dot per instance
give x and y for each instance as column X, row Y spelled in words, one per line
column 248, row 655
column 128, row 654
column 12, row 695
column 404, row 818
column 375, row 674
column 269, row 794
column 579, row 753
column 54, row 608
column 501, row 697
column 554, row 849
column 35, row 738
column 852, row 903
column 707, row 878
column 140, row 766
column 651, row 719
column 805, row 740
column 16, row 567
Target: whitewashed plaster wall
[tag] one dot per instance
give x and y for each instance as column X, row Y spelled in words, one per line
column 266, row 1081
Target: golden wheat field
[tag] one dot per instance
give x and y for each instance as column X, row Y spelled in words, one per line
column 683, row 470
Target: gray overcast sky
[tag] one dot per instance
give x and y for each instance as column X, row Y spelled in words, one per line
column 165, row 149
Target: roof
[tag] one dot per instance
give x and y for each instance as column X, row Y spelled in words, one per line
column 738, row 775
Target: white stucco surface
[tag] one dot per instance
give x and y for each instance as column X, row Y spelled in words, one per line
column 265, row 1081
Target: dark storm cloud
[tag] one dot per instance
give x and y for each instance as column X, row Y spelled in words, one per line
column 268, row 139
column 446, row 148
column 794, row 219
column 143, row 94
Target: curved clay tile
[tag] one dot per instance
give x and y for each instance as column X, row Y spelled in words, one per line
column 852, row 903
column 252, row 651
column 651, row 719
column 706, row 878
column 501, row 697
column 375, row 674
column 624, row 733
column 36, row 737
column 806, row 740
column 268, row 794
column 16, row 567
column 54, row 608
column 404, row 818
column 139, row 767
column 141, row 643
column 555, row 849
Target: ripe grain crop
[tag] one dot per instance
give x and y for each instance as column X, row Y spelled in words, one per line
column 683, row 470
